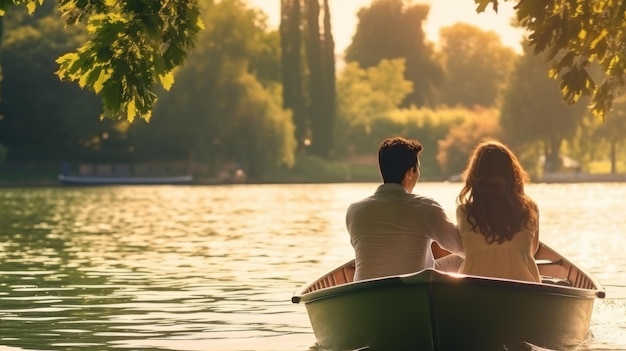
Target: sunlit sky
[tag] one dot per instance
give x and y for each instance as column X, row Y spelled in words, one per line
column 443, row 13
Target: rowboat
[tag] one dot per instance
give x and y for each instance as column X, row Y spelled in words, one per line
column 434, row 310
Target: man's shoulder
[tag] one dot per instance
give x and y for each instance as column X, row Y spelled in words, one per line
column 361, row 202
column 406, row 200
column 425, row 199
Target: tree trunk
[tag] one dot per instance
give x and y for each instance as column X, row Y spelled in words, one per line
column 553, row 161
column 329, row 85
column 321, row 61
column 1, row 36
column 290, row 43
column 613, row 157
column 314, row 60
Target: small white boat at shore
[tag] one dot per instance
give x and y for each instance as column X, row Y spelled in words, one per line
column 122, row 180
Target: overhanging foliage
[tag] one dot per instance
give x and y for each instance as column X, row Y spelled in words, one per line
column 134, row 47
column 576, row 34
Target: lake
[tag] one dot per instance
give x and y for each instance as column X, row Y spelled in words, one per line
column 214, row 267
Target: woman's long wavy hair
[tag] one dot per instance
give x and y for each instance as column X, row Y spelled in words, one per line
column 493, row 196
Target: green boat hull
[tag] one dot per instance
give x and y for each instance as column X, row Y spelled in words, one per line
column 432, row 310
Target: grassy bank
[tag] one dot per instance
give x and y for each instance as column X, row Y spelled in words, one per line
column 316, row 170
column 32, row 174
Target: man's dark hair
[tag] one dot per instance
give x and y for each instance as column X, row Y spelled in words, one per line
column 396, row 156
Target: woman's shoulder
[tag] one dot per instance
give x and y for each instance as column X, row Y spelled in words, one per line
column 460, row 209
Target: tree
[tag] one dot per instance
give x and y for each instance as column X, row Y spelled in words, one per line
column 321, row 62
column 266, row 63
column 291, row 61
column 365, row 95
column 1, row 37
column 226, row 115
column 456, row 147
column 390, row 29
column 328, row 108
column 134, row 47
column 613, row 131
column 309, row 72
column 574, row 34
column 42, row 117
column 430, row 127
column 477, row 66
column 533, row 110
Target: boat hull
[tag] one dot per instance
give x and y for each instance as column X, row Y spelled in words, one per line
column 374, row 317
column 433, row 310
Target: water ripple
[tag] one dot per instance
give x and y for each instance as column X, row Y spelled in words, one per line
column 180, row 268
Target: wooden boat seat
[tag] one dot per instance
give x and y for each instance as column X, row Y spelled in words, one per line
column 544, row 262
column 555, row 281
column 552, row 280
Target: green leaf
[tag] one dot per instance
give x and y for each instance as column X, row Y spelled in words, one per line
column 599, row 38
column 131, row 111
column 111, row 97
column 98, row 85
column 117, row 62
column 31, row 6
column 167, row 80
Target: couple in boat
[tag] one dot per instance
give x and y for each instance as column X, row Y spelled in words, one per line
column 497, row 225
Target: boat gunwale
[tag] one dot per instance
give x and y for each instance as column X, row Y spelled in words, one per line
column 432, row 277
column 599, row 288
column 597, row 292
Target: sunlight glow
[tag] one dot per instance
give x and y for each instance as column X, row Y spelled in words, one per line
column 443, row 13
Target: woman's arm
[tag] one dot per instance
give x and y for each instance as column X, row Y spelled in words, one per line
column 536, row 237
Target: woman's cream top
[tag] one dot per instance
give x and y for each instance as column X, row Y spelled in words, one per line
column 513, row 259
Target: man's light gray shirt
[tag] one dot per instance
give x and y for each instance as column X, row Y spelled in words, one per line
column 392, row 230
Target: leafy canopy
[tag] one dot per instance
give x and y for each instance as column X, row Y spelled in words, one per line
column 576, row 34
column 134, row 47
column 476, row 63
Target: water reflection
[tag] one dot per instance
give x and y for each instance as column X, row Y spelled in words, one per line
column 197, row 268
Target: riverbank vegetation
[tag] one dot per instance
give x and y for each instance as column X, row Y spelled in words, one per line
column 232, row 110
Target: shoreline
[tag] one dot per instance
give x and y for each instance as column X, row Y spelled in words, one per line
column 551, row 179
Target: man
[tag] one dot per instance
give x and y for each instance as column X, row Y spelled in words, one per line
column 392, row 230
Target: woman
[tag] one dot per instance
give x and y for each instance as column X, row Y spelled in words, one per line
column 498, row 222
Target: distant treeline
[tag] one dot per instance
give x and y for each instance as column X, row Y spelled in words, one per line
column 227, row 105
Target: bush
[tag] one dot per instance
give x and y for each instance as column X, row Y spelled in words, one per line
column 313, row 169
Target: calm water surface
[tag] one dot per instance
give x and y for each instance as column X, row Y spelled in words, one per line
column 213, row 268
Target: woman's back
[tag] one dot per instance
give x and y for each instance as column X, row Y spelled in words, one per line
column 513, row 259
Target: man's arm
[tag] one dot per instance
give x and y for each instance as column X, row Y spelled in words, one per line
column 444, row 232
